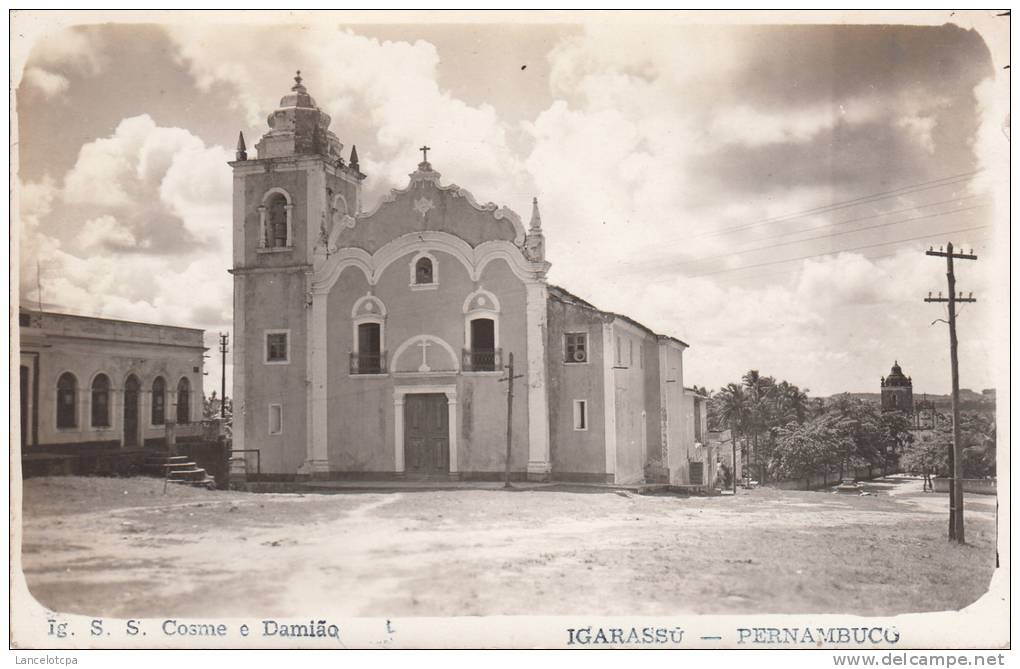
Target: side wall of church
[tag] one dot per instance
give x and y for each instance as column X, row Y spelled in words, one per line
column 361, row 408
column 632, row 404
column 575, row 453
column 653, row 400
column 671, row 366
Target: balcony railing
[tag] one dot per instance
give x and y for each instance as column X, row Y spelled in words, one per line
column 482, row 360
column 368, row 363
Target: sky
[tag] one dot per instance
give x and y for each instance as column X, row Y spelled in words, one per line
column 763, row 192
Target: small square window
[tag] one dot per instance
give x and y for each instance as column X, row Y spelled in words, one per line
column 576, row 349
column 276, row 347
column 275, row 419
column 580, row 414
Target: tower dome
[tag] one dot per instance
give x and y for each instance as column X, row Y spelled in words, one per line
column 299, row 127
column 897, row 390
column 896, row 376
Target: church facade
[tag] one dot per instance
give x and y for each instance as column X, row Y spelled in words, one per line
column 376, row 344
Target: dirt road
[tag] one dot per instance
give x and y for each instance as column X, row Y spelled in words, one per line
column 119, row 547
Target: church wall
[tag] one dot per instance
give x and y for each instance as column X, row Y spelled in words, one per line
column 676, row 417
column 653, row 400
column 632, row 407
column 361, row 420
column 575, row 453
column 483, row 398
column 275, row 301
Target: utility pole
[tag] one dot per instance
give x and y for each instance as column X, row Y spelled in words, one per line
column 223, row 379
column 509, row 413
column 956, row 532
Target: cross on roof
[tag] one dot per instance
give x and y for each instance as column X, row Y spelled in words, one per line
column 425, row 153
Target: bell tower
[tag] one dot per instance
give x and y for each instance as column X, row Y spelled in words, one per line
column 286, row 201
column 897, row 391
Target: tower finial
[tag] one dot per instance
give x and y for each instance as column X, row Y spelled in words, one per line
column 242, row 150
column 354, row 157
column 536, row 217
column 298, row 87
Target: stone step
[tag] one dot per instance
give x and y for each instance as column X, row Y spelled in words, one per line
column 206, row 482
column 174, row 466
column 195, row 474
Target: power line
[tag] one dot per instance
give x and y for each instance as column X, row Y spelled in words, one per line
column 646, row 264
column 855, row 248
column 760, row 275
column 830, row 235
column 864, row 199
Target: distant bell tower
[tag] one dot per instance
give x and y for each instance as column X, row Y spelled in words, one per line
column 287, row 202
column 897, row 391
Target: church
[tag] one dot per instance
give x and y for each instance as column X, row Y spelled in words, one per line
column 375, row 343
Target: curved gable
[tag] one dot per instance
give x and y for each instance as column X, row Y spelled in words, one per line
column 425, row 205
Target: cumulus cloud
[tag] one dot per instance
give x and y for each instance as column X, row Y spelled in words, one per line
column 138, row 228
column 105, row 233
column 50, row 84
column 381, row 93
column 654, row 149
column 79, row 48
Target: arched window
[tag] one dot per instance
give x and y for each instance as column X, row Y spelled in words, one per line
column 276, row 225
column 101, row 401
column 159, row 401
column 423, row 271
column 482, row 347
column 183, row 401
column 67, row 400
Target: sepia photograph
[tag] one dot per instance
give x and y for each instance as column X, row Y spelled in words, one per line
column 489, row 329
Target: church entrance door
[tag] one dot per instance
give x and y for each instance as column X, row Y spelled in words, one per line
column 426, row 434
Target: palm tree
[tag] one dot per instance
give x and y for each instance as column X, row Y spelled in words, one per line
column 759, row 391
column 730, row 409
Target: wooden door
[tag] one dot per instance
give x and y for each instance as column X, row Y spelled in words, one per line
column 131, row 395
column 426, row 434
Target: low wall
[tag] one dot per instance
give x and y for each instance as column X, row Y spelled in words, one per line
column 832, row 478
column 977, row 486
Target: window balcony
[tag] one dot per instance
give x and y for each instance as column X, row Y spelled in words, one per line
column 368, row 363
column 482, row 360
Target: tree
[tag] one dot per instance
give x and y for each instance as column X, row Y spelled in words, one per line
column 758, row 393
column 896, row 426
column 928, row 455
column 803, row 451
column 211, row 409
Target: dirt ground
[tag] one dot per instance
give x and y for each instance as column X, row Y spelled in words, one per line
column 120, row 547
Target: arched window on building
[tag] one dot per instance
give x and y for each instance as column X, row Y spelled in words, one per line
column 183, row 401
column 101, row 401
column 159, row 401
column 67, row 400
column 369, row 357
column 482, row 347
column 276, row 225
column 423, row 271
